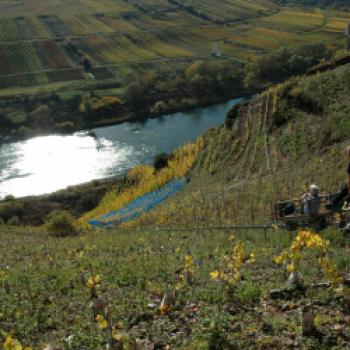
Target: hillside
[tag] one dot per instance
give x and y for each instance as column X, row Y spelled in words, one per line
column 271, row 148
column 45, row 43
column 107, row 287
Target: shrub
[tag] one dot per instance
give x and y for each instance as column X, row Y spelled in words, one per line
column 248, row 293
column 2, row 221
column 22, row 131
column 11, row 208
column 159, row 107
column 161, row 161
column 61, row 223
column 87, row 65
column 14, row 221
column 188, row 103
column 65, row 126
column 343, row 263
column 139, row 174
column 17, row 117
column 40, row 115
column 87, row 201
column 232, row 115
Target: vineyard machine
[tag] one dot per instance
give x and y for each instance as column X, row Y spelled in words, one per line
column 322, row 213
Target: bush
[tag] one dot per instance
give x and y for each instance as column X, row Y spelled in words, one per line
column 87, row 202
column 139, row 174
column 232, row 115
column 159, row 107
column 2, row 221
column 65, row 126
column 14, row 221
column 61, row 223
column 22, row 131
column 11, row 208
column 248, row 293
column 40, row 115
column 161, row 161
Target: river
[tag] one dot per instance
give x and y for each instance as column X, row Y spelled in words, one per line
column 46, row 164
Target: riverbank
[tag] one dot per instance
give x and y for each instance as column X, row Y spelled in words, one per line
column 152, row 95
column 33, row 210
column 104, row 117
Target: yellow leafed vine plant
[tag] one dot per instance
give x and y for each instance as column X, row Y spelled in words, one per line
column 144, row 179
column 230, row 272
column 309, row 241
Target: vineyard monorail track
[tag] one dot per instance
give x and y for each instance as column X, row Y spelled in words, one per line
column 212, row 228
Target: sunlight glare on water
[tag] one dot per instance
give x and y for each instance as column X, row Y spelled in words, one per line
column 53, row 162
column 49, row 163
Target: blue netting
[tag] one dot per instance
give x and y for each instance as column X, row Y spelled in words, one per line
column 140, row 205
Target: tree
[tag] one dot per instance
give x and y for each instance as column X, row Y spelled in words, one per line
column 198, row 85
column 159, row 107
column 251, row 75
column 61, row 223
column 298, row 64
column 41, row 115
column 135, row 95
column 161, row 161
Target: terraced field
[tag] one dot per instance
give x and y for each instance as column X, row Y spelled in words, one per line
column 44, row 42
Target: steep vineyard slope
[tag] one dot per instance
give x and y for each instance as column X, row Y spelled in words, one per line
column 272, row 147
column 45, row 43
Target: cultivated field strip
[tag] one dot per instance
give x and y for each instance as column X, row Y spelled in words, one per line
column 40, row 36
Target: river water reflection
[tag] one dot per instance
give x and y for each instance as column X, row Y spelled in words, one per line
column 49, row 163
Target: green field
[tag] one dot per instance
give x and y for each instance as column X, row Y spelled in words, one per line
column 41, row 39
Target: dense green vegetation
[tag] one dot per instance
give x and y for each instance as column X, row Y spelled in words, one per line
column 322, row 96
column 284, row 63
column 76, row 199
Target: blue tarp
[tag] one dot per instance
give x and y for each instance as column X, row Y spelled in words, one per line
column 139, row 206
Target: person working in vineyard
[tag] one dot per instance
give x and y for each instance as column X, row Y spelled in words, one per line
column 310, row 201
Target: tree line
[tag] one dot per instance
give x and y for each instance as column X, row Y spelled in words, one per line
column 206, row 82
